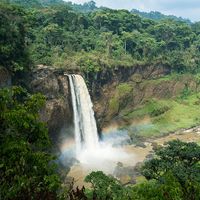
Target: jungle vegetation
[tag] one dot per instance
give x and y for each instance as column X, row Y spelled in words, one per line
column 66, row 35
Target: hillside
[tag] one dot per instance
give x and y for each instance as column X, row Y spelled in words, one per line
column 120, row 37
column 143, row 75
column 102, row 45
column 36, row 3
column 155, row 15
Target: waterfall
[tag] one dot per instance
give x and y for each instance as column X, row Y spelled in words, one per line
column 85, row 128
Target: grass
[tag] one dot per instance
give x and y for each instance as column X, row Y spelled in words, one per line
column 123, row 89
column 113, row 105
column 152, row 108
column 121, row 96
column 165, row 116
column 181, row 113
column 140, row 179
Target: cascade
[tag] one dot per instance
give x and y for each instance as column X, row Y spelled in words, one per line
column 85, row 128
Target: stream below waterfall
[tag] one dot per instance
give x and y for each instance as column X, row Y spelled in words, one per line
column 114, row 154
column 128, row 155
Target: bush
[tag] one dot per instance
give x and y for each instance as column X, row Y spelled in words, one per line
column 27, row 170
column 157, row 108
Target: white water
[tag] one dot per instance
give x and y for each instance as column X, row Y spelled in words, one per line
column 85, row 128
column 92, row 154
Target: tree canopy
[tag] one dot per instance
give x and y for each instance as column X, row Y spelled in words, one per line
column 52, row 32
column 174, row 173
column 27, row 170
column 13, row 52
column 55, row 33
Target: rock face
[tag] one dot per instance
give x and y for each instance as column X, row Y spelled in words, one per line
column 57, row 112
column 105, row 82
column 139, row 84
column 111, row 91
column 123, row 74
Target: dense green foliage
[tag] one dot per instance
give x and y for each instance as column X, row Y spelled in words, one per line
column 110, row 38
column 105, row 187
column 155, row 15
column 35, row 3
column 27, row 170
column 69, row 35
column 180, row 160
column 174, row 173
column 52, row 32
column 13, row 54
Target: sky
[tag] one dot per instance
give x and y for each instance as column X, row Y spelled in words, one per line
column 185, row 8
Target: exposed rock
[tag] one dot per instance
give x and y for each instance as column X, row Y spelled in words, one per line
column 146, row 84
column 155, row 145
column 57, row 115
column 103, row 87
column 45, row 81
column 144, row 81
column 149, row 157
column 127, row 175
column 138, row 167
column 58, row 110
column 140, row 144
column 125, row 179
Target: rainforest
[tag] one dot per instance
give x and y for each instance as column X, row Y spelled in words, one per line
column 98, row 103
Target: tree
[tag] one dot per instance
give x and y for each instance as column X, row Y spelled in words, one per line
column 182, row 161
column 27, row 170
column 108, row 38
column 196, row 27
column 27, row 3
column 56, row 31
column 13, row 51
column 129, row 44
column 53, row 35
column 105, row 187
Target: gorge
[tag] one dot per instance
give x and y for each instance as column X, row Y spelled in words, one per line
column 112, row 155
column 98, row 103
column 91, row 152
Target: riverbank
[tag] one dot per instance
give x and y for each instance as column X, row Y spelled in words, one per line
column 125, row 168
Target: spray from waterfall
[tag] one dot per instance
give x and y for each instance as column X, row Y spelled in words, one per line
column 85, row 128
column 91, row 154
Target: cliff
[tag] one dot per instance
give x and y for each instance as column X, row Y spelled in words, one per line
column 57, row 112
column 115, row 92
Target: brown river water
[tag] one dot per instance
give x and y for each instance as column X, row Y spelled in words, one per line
column 106, row 160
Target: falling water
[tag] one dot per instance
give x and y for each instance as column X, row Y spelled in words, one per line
column 85, row 128
column 91, row 154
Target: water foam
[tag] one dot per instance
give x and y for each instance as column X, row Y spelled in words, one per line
column 91, row 153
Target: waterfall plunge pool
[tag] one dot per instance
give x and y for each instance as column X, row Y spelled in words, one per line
column 88, row 154
column 128, row 155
